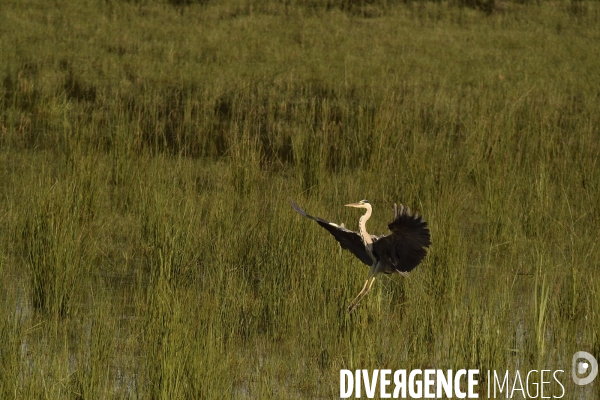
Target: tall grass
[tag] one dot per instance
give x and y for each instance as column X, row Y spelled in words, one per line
column 149, row 152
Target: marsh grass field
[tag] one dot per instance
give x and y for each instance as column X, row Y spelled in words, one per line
column 148, row 151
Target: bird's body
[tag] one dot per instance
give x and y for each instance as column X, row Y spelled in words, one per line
column 400, row 252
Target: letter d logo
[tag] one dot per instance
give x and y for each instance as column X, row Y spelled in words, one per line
column 580, row 368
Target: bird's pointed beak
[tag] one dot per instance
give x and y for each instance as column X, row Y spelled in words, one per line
column 353, row 205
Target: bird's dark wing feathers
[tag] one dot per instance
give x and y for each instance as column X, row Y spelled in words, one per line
column 348, row 239
column 406, row 247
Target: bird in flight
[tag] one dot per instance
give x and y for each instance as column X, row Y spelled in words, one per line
column 401, row 251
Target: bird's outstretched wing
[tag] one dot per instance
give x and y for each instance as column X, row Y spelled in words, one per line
column 406, row 247
column 348, row 239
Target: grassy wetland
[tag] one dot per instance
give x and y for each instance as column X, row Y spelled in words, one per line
column 148, row 151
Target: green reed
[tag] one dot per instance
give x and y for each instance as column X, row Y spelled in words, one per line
column 149, row 152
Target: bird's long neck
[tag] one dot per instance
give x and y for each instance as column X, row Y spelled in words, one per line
column 362, row 224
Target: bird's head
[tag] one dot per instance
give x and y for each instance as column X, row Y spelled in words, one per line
column 360, row 204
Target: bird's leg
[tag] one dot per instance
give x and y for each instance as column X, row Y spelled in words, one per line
column 364, row 294
column 360, row 293
column 370, row 286
column 366, row 288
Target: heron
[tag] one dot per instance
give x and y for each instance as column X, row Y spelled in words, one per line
column 401, row 251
